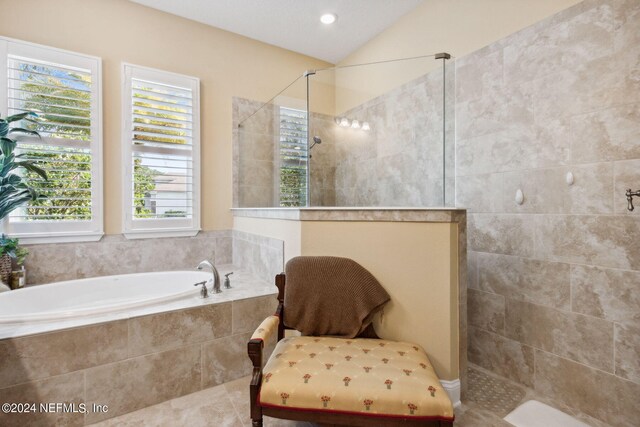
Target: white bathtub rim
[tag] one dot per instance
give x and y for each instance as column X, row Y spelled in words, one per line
column 245, row 286
column 94, row 310
column 78, row 313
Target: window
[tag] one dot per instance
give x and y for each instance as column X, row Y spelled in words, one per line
column 161, row 137
column 293, row 157
column 63, row 88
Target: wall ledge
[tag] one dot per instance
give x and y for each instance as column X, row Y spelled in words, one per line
column 399, row 214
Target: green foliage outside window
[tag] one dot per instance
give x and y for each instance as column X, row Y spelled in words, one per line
column 63, row 100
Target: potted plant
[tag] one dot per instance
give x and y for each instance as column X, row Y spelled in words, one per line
column 14, row 189
column 11, row 250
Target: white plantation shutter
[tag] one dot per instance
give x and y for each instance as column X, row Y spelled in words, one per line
column 63, row 88
column 161, row 149
column 293, row 157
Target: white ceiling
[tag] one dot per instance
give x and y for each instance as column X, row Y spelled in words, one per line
column 295, row 24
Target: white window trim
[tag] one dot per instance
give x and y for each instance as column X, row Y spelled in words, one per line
column 151, row 228
column 49, row 234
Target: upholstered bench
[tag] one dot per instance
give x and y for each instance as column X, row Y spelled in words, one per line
column 369, row 377
column 354, row 382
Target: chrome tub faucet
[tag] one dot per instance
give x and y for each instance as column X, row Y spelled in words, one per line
column 204, row 292
column 216, row 276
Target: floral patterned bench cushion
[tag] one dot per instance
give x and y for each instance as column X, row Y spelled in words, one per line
column 361, row 376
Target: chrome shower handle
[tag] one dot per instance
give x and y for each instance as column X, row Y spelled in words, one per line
column 630, row 194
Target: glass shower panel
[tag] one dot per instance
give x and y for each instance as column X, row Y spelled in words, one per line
column 385, row 130
column 271, row 152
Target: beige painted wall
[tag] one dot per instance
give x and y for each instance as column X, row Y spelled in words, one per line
column 413, row 262
column 454, row 26
column 120, row 31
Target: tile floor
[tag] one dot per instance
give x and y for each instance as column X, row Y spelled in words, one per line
column 490, row 398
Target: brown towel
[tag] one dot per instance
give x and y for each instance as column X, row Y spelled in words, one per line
column 330, row 296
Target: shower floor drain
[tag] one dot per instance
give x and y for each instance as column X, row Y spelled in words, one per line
column 492, row 393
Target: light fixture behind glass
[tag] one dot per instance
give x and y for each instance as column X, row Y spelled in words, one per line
column 328, row 18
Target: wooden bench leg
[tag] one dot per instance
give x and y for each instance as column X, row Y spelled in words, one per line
column 256, row 410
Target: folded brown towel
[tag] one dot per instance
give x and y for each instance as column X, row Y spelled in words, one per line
column 327, row 295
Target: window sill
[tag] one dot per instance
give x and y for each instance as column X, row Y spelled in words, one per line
column 38, row 239
column 152, row 234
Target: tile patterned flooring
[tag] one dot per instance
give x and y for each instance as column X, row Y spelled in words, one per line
column 490, row 398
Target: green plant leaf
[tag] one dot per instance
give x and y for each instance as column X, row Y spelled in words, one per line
column 7, row 205
column 8, row 164
column 18, row 117
column 30, row 166
column 25, row 131
column 7, row 145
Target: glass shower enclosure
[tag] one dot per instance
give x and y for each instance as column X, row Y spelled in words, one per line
column 379, row 134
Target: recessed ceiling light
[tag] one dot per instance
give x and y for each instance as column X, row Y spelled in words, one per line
column 328, row 18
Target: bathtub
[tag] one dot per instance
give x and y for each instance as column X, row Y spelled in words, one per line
column 88, row 297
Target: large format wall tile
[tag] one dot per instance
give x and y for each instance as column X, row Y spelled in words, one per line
column 68, row 388
column 503, row 356
column 627, row 351
column 506, row 108
column 478, row 74
column 581, row 338
column 605, row 82
column 506, row 234
column 480, row 193
column 472, row 269
column 143, row 381
column 596, row 393
column 611, row 294
column 247, row 314
column 263, row 256
column 163, row 331
column 554, row 48
column 608, row 134
column 567, row 259
column 52, row 263
column 597, row 240
column 225, row 360
column 546, row 190
column 528, row 147
column 485, row 310
column 40, row 356
column 540, row 282
column 114, row 254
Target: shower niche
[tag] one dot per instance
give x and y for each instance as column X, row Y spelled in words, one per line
column 379, row 134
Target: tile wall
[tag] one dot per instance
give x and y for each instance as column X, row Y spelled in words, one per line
column 129, row 364
column 399, row 162
column 554, row 298
column 115, row 254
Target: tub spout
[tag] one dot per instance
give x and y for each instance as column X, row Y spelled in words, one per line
column 214, row 271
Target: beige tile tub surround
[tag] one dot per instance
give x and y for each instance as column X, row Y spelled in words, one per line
column 67, row 388
column 263, row 256
column 129, row 364
column 115, row 254
column 561, row 96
